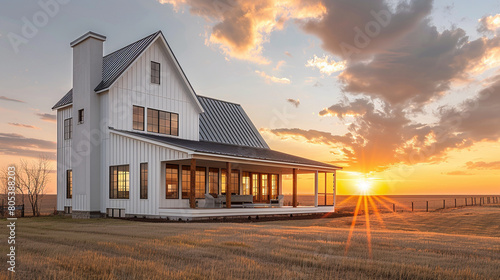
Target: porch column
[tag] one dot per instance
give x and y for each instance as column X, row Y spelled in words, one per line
column 335, row 188
column 207, row 188
column 192, row 194
column 228, row 179
column 326, row 188
column 316, row 188
column 294, row 197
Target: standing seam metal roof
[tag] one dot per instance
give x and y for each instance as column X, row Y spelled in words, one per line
column 226, row 122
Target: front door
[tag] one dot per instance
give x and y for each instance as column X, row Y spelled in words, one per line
column 260, row 187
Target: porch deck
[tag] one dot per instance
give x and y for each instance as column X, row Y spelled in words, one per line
column 203, row 213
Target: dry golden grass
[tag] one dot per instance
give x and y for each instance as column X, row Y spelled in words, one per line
column 451, row 244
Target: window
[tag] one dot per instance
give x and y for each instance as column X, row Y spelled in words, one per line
column 155, row 72
column 163, row 122
column 153, row 120
column 119, row 182
column 213, row 181
column 174, row 124
column 223, row 181
column 138, row 118
column 172, row 181
column 186, row 181
column 274, row 186
column 255, row 185
column 200, row 182
column 264, row 186
column 69, row 183
column 245, row 182
column 80, row 116
column 234, row 184
column 144, row 180
column 68, row 128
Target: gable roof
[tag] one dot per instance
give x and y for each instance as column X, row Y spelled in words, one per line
column 206, row 147
column 117, row 62
column 226, row 122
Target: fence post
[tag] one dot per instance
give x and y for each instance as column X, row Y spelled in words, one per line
column 22, row 212
column 444, row 203
column 455, row 203
column 475, row 202
column 393, row 207
column 480, row 201
column 427, row 206
column 412, row 206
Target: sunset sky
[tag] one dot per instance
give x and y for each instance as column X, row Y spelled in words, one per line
column 403, row 94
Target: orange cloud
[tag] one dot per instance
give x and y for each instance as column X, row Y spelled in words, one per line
column 326, row 64
column 272, row 78
column 240, row 28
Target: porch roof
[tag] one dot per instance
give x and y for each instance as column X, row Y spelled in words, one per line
column 214, row 148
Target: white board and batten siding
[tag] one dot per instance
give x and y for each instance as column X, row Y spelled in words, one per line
column 135, row 88
column 127, row 151
column 63, row 157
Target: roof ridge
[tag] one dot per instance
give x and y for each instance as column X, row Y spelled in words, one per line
column 207, row 97
column 150, row 35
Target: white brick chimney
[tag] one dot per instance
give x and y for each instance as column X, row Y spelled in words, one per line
column 87, row 74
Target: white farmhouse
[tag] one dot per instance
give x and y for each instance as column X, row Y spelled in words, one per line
column 134, row 139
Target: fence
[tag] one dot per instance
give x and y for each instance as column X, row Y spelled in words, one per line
column 425, row 205
column 4, row 210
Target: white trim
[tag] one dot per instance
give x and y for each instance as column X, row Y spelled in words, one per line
column 243, row 160
column 86, row 36
column 63, row 106
column 187, row 213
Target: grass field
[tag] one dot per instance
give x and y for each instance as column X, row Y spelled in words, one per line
column 461, row 243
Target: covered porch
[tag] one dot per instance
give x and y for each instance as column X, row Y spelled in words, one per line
column 243, row 187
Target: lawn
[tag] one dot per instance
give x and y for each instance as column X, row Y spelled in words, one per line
column 461, row 243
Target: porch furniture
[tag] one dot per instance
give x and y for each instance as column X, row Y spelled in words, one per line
column 209, row 201
column 245, row 201
column 277, row 202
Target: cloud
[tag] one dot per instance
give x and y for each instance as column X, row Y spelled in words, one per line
column 356, row 29
column 420, row 67
column 494, row 165
column 47, row 117
column 272, row 78
column 381, row 135
column 326, row 64
column 288, row 54
column 240, row 28
column 295, row 102
column 279, row 65
column 489, row 24
column 395, row 53
column 341, row 110
column 458, row 172
column 23, row 125
column 11, row 99
column 16, row 144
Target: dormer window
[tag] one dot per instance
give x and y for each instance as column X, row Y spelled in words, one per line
column 80, row 116
column 155, row 72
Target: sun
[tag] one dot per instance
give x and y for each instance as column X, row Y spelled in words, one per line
column 364, row 186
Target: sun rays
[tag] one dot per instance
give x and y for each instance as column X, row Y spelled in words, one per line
column 369, row 204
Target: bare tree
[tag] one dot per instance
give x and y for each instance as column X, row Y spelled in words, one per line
column 4, row 179
column 33, row 177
